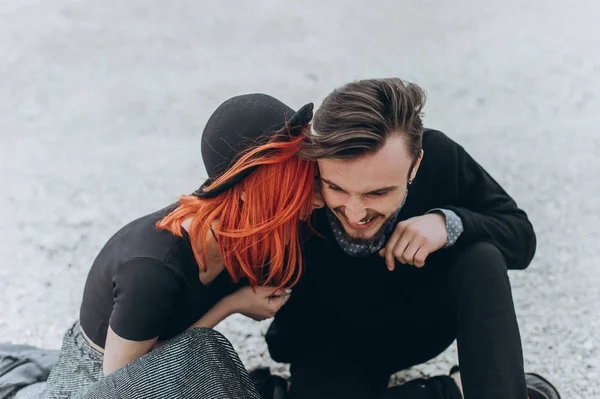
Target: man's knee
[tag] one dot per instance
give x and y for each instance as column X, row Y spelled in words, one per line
column 479, row 263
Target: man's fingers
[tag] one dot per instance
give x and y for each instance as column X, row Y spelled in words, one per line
column 394, row 249
column 420, row 256
column 388, row 251
column 408, row 256
column 402, row 245
column 398, row 243
column 389, row 259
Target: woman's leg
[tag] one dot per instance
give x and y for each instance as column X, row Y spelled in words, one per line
column 200, row 363
column 79, row 366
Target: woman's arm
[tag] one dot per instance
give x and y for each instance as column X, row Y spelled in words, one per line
column 224, row 308
column 144, row 296
column 259, row 304
column 120, row 351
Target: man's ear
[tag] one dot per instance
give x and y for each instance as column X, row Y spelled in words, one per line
column 415, row 168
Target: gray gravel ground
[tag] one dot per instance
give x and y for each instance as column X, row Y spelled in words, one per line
column 102, row 102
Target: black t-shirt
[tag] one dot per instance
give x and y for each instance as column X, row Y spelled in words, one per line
column 145, row 284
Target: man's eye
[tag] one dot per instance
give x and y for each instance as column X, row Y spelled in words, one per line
column 379, row 194
column 334, row 188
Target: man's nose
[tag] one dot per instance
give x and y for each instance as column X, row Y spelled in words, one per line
column 355, row 210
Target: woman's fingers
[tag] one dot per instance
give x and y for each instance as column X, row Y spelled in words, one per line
column 282, row 292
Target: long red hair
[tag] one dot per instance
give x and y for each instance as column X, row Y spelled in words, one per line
column 260, row 235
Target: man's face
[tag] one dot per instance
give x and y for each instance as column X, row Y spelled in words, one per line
column 364, row 192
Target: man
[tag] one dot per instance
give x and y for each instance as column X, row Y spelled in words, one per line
column 413, row 249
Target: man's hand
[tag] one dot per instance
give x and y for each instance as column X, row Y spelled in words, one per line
column 259, row 305
column 414, row 239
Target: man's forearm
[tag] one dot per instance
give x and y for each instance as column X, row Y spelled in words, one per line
column 512, row 234
column 489, row 214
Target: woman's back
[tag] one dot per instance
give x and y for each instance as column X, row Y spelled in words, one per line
column 144, row 283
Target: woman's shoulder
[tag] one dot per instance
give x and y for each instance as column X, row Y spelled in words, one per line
column 140, row 240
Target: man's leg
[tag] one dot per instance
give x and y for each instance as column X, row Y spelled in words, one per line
column 489, row 343
column 393, row 321
column 461, row 293
column 404, row 319
column 324, row 375
column 474, row 304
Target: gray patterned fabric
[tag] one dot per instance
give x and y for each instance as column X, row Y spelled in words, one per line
column 454, row 228
column 79, row 366
column 454, row 225
column 200, row 363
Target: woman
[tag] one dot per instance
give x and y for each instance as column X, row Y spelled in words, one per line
column 231, row 247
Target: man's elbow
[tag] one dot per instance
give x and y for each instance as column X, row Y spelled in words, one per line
column 529, row 245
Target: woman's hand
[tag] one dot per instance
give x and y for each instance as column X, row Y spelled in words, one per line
column 260, row 304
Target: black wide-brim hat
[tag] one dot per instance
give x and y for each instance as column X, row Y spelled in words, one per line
column 239, row 124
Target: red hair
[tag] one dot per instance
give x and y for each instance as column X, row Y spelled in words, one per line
column 259, row 236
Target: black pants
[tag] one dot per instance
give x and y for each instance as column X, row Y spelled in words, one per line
column 462, row 294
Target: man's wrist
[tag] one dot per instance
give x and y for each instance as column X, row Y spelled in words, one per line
column 454, row 225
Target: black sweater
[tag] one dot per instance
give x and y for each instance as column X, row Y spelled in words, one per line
column 450, row 178
column 335, row 287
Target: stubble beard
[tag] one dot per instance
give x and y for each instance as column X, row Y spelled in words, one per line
column 362, row 240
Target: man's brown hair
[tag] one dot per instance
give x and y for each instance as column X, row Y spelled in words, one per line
column 358, row 118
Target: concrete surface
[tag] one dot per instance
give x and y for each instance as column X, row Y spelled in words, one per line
column 101, row 104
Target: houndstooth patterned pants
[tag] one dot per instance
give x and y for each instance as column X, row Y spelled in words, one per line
column 200, row 363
